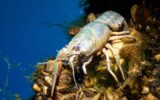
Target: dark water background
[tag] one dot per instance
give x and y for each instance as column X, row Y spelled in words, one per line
column 27, row 37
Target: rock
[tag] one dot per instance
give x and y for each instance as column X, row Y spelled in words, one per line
column 145, row 90
column 157, row 57
column 88, row 82
column 149, row 97
column 48, row 80
column 44, row 90
column 113, row 95
column 39, row 97
column 74, row 30
column 36, row 87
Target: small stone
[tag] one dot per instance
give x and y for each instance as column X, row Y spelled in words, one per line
column 48, row 80
column 112, row 95
column 44, row 90
column 36, row 87
column 157, row 57
column 39, row 98
column 74, row 30
column 145, row 90
column 124, row 98
column 40, row 82
column 150, row 97
column 88, row 82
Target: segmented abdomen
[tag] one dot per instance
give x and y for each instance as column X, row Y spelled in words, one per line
column 113, row 19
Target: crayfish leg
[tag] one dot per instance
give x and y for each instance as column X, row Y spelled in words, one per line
column 85, row 64
column 120, row 33
column 109, row 65
column 72, row 66
column 116, row 58
column 119, row 37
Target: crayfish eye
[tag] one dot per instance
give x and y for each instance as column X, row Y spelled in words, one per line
column 76, row 48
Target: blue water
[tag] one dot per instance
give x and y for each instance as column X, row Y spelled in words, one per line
column 26, row 39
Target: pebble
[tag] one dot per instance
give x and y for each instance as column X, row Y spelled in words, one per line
column 149, row 97
column 74, row 30
column 44, row 90
column 145, row 90
column 48, row 80
column 157, row 57
column 36, row 87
